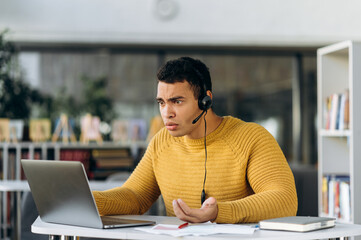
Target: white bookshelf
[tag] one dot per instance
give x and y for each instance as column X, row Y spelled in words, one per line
column 339, row 151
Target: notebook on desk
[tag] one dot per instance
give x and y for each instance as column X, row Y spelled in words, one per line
column 62, row 195
column 297, row 223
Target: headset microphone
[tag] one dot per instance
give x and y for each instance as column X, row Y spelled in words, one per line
column 204, row 104
column 197, row 118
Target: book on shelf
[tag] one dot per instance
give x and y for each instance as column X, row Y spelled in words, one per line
column 124, row 152
column 325, row 195
column 345, row 201
column 347, row 110
column 334, row 111
column 341, row 112
column 113, row 162
column 337, row 111
column 336, row 197
column 297, row 223
column 80, row 155
column 112, row 158
column 326, row 109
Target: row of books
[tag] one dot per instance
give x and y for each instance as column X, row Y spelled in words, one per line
column 113, row 158
column 337, row 112
column 109, row 161
column 336, row 200
column 80, row 155
column 98, row 163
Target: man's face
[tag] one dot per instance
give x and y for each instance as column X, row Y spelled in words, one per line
column 178, row 107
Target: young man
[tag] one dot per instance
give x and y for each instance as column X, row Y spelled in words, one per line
column 238, row 168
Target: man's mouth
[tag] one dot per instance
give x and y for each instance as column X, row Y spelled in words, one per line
column 171, row 126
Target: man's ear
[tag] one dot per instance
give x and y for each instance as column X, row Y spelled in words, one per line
column 209, row 93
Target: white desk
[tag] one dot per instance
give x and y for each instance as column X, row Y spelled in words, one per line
column 40, row 227
column 18, row 186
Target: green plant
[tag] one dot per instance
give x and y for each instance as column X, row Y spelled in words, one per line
column 18, row 99
column 16, row 96
column 64, row 103
column 96, row 100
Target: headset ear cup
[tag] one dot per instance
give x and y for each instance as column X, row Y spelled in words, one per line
column 205, row 103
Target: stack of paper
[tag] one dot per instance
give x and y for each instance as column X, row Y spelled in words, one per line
column 199, row 229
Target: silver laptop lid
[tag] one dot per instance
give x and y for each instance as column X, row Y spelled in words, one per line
column 61, row 192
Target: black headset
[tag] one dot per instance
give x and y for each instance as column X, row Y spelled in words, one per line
column 204, row 103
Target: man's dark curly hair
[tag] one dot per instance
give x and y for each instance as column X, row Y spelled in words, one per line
column 193, row 71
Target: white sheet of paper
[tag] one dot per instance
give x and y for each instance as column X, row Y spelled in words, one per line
column 199, row 229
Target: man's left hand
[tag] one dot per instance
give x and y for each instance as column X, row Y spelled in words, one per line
column 208, row 211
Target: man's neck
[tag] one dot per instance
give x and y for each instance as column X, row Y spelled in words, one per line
column 213, row 121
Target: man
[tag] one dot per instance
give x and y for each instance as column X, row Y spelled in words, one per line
column 238, row 168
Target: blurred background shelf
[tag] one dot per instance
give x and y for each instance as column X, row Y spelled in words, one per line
column 12, row 153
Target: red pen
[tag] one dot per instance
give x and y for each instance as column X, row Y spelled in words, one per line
column 183, row 225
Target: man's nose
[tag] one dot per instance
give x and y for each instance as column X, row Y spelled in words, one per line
column 169, row 111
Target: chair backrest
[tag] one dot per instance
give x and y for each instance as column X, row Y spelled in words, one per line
column 307, row 190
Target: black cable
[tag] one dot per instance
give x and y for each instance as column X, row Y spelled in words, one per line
column 203, row 196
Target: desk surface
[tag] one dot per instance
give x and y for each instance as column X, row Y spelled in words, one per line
column 22, row 185
column 40, row 227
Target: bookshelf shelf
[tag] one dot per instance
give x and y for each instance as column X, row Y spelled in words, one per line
column 12, row 153
column 339, row 156
column 334, row 133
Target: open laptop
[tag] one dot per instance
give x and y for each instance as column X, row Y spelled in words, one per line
column 62, row 195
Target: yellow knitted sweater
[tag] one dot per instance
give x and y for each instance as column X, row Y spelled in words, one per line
column 246, row 172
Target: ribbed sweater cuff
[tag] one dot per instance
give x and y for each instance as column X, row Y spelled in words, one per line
column 99, row 201
column 116, row 201
column 224, row 213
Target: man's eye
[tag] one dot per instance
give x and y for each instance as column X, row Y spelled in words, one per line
column 178, row 101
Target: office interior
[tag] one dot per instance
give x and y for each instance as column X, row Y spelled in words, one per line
column 262, row 56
